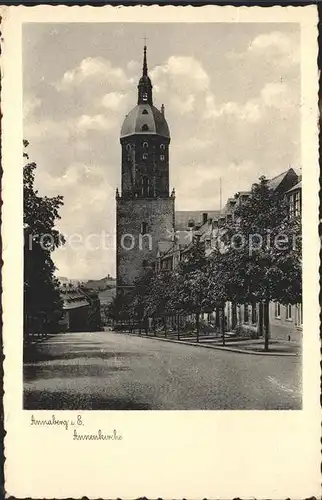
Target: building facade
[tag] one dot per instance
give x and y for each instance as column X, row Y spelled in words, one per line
column 144, row 207
column 285, row 320
column 81, row 309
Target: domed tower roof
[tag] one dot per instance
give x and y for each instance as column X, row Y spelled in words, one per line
column 145, row 118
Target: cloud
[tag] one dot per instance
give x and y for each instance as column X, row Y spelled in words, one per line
column 92, row 68
column 30, row 104
column 277, row 43
column 200, row 178
column 249, row 112
column 183, row 73
column 89, row 227
column 96, row 122
column 133, row 66
column 274, row 94
column 184, row 104
column 113, row 100
column 274, row 39
column 70, row 128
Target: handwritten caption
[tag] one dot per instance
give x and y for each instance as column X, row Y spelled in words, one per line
column 75, row 427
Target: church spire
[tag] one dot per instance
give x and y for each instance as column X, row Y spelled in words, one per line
column 145, row 64
column 145, row 85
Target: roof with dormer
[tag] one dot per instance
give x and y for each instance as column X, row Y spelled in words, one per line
column 145, row 119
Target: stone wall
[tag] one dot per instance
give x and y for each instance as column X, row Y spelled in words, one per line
column 135, row 251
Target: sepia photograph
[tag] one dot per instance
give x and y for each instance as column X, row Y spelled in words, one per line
column 162, row 190
column 160, row 252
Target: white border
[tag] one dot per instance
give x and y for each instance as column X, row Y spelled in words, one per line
column 221, row 454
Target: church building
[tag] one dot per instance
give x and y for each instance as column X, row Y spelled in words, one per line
column 145, row 213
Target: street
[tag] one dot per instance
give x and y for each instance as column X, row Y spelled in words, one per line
column 115, row 371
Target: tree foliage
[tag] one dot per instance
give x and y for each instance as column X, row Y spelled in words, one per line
column 262, row 261
column 257, row 258
column 42, row 302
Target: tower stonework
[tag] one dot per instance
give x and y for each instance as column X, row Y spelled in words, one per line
column 144, row 208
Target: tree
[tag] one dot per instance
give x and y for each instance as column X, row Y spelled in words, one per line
column 195, row 287
column 262, row 260
column 42, row 301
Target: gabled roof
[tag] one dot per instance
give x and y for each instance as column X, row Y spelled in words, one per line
column 73, row 297
column 182, row 217
column 276, row 182
column 296, row 187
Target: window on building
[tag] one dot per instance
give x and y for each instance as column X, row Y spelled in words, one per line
column 161, row 157
column 162, row 146
column 145, row 144
column 246, row 313
column 254, row 314
column 145, row 156
column 277, row 310
column 145, row 112
column 289, row 312
column 291, row 206
column 145, row 128
column 297, row 203
column 145, row 96
column 128, row 147
column 144, row 227
column 145, row 189
column 299, row 317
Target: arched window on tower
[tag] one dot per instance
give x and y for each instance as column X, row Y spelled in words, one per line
column 145, row 144
column 145, row 156
column 145, row 128
column 162, row 146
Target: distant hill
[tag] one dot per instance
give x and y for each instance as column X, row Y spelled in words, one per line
column 102, row 284
column 106, row 288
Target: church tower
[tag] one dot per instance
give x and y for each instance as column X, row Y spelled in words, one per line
column 144, row 208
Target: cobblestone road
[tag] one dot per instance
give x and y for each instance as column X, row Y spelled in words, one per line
column 106, row 371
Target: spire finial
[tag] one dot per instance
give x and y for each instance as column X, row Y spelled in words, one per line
column 145, row 65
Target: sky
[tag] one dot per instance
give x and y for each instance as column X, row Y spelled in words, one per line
column 232, row 101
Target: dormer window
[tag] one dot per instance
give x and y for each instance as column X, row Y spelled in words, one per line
column 144, row 112
column 145, row 128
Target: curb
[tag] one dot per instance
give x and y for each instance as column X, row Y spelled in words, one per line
column 219, row 348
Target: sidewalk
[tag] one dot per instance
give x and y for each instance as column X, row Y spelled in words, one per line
column 232, row 343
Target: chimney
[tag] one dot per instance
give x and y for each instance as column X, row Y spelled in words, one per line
column 204, row 217
column 162, row 109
